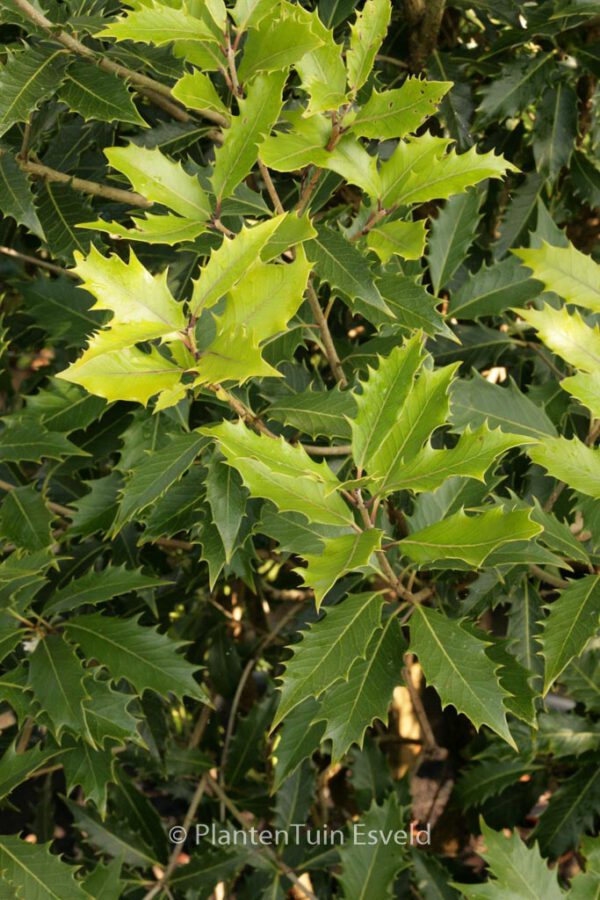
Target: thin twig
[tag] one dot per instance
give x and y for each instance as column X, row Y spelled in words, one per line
column 270, row 637
column 314, row 450
column 178, row 849
column 137, row 79
column 35, row 261
column 86, row 187
column 329, row 346
column 25, row 735
column 271, row 189
column 430, row 745
column 548, row 578
column 308, row 191
column 264, row 850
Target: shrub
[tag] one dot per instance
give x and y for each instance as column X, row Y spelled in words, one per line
column 301, row 491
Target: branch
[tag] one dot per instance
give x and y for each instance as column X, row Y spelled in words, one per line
column 34, row 261
column 265, row 850
column 424, row 18
column 106, row 64
column 178, row 849
column 86, row 187
column 330, row 351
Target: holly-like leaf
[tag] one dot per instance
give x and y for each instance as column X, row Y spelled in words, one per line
column 586, row 388
column 328, row 650
column 451, row 235
column 227, row 499
column 15, row 768
column 131, row 293
column 488, row 778
column 513, row 89
column 556, row 131
column 424, row 409
column 151, row 229
column 492, row 290
column 316, row 413
column 56, row 679
column 570, row 461
column 567, row 335
column 27, row 78
column 351, row 705
column 283, row 474
column 370, row 869
column 60, row 210
column 396, row 113
column 178, row 509
column 340, row 555
column 238, row 153
column 412, row 306
column 278, row 43
column 572, row 274
column 404, row 239
column 158, row 23
column 95, row 94
column 25, row 519
column 297, row 739
column 342, row 266
column 322, row 71
column 128, row 374
column 567, row 734
column 572, row 620
column 230, row 262
column 161, row 180
column 570, row 811
column 383, row 395
column 156, row 473
column 16, row 197
column 98, row 587
column 471, row 457
column 518, row 870
column 469, row 538
column 476, row 400
column 250, row 318
column 33, row 871
column 91, row 770
column 196, row 90
column 106, row 713
column 366, row 36
column 420, row 170
column 456, row 665
column 146, row 658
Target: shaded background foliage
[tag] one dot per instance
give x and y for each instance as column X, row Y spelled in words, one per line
column 194, row 558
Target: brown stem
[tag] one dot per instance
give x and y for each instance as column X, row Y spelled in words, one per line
column 314, row 450
column 86, row 187
column 430, row 745
column 270, row 637
column 424, row 18
column 272, row 190
column 24, row 151
column 34, row 261
column 547, row 577
column 107, row 65
column 175, row 111
column 178, row 849
column 232, row 69
column 243, row 411
column 330, row 351
column 308, row 191
column 264, row 850
column 24, row 736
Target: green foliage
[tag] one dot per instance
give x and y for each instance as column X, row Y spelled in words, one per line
column 300, row 480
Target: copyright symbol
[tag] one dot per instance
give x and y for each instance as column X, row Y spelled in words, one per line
column 177, row 834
